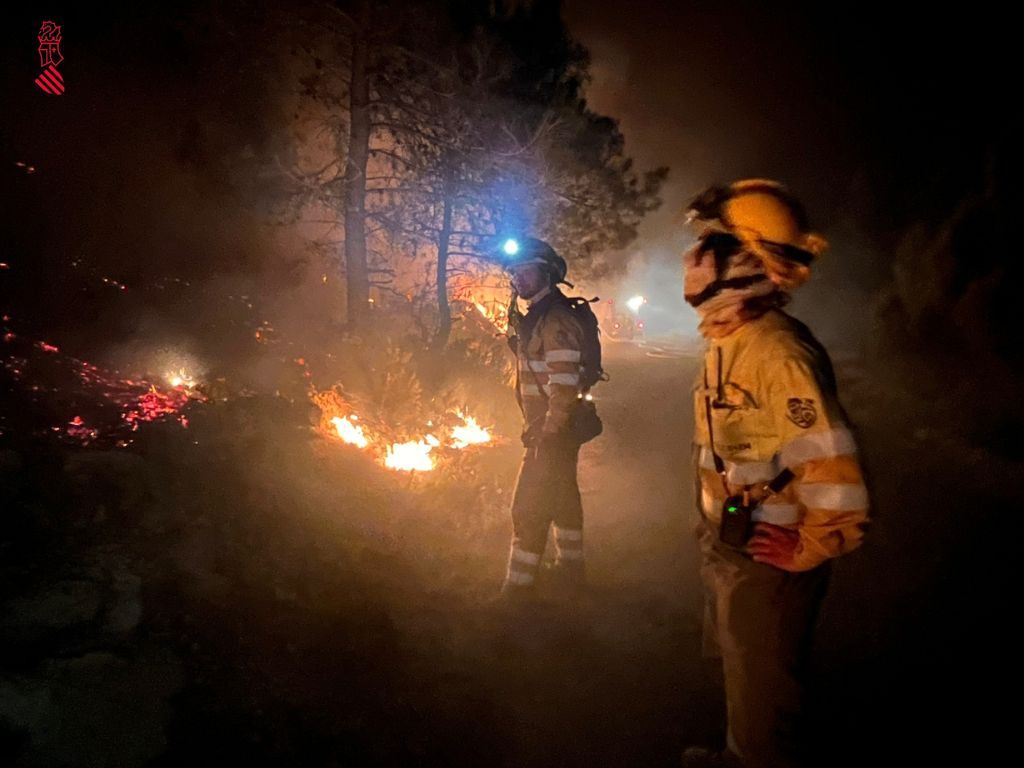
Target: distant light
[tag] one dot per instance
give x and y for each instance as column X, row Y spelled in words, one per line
column 636, row 302
column 510, row 247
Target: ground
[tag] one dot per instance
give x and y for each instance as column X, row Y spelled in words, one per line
column 215, row 596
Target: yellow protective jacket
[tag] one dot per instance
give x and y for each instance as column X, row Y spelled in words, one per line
column 550, row 355
column 773, row 406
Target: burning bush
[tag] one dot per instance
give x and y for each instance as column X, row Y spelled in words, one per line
column 414, row 408
column 339, row 420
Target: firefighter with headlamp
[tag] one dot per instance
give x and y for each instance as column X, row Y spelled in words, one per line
column 552, row 377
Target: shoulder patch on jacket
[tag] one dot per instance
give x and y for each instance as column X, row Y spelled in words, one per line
column 801, row 411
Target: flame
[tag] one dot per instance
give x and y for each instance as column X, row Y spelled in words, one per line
column 486, row 291
column 349, row 432
column 181, row 379
column 419, row 454
column 492, row 310
column 412, row 456
column 470, row 433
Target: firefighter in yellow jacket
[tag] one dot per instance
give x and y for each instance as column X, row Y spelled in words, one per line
column 780, row 489
column 549, row 348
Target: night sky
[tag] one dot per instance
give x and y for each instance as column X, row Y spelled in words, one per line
column 876, row 117
column 837, row 100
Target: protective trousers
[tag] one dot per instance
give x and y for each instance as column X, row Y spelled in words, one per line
column 759, row 620
column 546, row 492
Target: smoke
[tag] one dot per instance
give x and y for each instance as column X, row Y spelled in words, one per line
column 657, row 276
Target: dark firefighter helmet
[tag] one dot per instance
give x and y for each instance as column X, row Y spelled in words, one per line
column 517, row 252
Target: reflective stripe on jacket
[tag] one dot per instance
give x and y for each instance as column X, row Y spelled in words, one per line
column 549, row 363
column 774, row 406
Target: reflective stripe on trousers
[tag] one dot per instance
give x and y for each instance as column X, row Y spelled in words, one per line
column 547, row 492
column 569, row 543
column 522, row 567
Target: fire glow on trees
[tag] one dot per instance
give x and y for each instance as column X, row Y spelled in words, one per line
column 493, row 310
column 488, row 294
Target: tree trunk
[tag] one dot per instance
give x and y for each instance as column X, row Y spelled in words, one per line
column 444, row 309
column 357, row 278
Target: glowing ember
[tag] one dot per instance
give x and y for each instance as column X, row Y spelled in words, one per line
column 110, row 404
column 115, row 283
column 349, row 432
column 154, row 405
column 482, row 309
column 412, row 456
column 79, row 431
column 470, row 433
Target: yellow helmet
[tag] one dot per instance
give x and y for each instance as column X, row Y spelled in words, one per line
column 769, row 221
